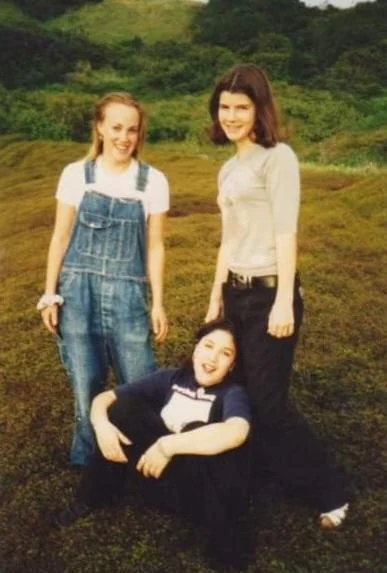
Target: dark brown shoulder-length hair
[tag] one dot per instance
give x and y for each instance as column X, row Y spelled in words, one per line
column 100, row 106
column 252, row 81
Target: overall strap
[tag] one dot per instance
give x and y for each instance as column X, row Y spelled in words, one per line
column 90, row 171
column 142, row 176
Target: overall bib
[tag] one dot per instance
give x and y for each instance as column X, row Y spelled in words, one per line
column 104, row 320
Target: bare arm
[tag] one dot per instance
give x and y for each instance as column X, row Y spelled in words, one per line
column 281, row 318
column 283, row 182
column 215, row 305
column 108, row 436
column 206, row 441
column 64, row 220
column 155, row 265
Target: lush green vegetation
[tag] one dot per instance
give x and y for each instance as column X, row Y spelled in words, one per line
column 339, row 380
column 307, row 45
column 147, row 48
column 321, row 127
column 45, row 9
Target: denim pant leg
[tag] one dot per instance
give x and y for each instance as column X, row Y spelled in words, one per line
column 282, row 435
column 129, row 338
column 83, row 353
column 86, row 369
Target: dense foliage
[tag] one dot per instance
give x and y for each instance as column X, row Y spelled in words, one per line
column 46, row 9
column 337, row 56
column 320, row 48
column 31, row 56
column 308, row 45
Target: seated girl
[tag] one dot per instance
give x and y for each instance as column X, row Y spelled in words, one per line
column 186, row 427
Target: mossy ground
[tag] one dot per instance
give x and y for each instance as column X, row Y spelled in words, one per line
column 338, row 380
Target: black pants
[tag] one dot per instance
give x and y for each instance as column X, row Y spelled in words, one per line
column 282, row 437
column 209, row 490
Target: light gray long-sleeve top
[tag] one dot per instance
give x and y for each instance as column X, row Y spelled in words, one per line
column 259, row 198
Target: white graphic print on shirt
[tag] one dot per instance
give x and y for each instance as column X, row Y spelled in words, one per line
column 186, row 406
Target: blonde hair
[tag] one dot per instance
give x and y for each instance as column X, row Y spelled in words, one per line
column 124, row 98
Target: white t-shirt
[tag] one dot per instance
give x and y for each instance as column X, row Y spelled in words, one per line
column 155, row 197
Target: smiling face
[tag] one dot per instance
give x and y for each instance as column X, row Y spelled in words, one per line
column 213, row 357
column 236, row 115
column 119, row 130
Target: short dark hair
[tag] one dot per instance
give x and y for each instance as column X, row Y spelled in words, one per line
column 252, row 81
column 217, row 324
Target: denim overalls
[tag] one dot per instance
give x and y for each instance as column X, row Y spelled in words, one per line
column 104, row 320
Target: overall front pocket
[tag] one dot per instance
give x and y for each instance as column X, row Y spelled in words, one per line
column 106, row 238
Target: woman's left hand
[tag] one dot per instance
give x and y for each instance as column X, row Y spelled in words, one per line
column 153, row 462
column 281, row 319
column 159, row 323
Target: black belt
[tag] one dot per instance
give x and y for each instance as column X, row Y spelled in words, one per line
column 244, row 282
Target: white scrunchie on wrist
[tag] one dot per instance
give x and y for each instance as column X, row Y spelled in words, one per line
column 49, row 300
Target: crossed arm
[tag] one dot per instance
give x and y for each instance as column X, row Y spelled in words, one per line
column 207, row 440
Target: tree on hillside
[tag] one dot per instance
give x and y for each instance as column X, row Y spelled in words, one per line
column 46, row 9
column 335, row 33
column 31, row 56
column 233, row 25
column 273, row 52
column 364, row 69
column 294, row 41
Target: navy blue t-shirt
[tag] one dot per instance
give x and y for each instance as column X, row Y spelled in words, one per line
column 180, row 400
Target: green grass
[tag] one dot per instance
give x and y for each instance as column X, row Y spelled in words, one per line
column 338, row 383
column 114, row 21
column 355, row 148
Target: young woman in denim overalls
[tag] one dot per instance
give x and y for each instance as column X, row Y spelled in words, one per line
column 257, row 285
column 108, row 236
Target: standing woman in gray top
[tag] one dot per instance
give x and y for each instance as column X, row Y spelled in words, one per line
column 256, row 283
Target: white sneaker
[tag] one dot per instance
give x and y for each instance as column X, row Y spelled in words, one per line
column 334, row 518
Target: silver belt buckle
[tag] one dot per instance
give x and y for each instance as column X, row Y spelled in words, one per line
column 245, row 280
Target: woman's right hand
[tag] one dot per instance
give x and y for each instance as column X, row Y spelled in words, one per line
column 109, row 440
column 214, row 310
column 50, row 318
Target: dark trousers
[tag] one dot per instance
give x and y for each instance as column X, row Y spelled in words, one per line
column 282, row 437
column 209, row 490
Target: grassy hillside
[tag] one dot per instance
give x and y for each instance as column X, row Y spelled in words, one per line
column 339, row 381
column 114, row 21
column 353, row 148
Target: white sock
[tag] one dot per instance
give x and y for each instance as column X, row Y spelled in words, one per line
column 336, row 515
